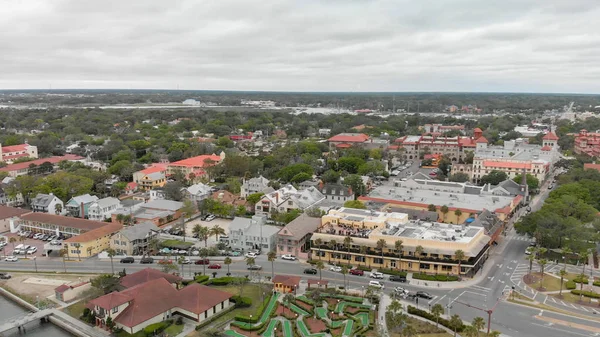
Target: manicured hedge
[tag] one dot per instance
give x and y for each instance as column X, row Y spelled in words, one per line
column 157, row 327
column 438, row 278
column 259, row 313
column 392, row 272
column 585, row 293
column 226, row 280
column 578, row 279
column 429, row 316
column 571, row 285
column 241, row 301
column 246, row 327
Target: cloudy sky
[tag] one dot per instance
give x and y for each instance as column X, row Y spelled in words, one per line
column 303, row 45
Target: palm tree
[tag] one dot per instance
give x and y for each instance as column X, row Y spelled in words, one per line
column 320, row 265
column 78, row 246
column 478, row 323
column 418, row 253
column 204, row 234
column 562, row 274
column 458, row 213
column 470, row 331
column 363, row 251
column 196, row 230
column 12, row 240
column 181, row 261
column 431, row 208
column 344, row 271
column 318, row 242
column 437, row 311
column 542, row 263
column 63, row 252
column 398, row 245
column 216, row 231
column 227, row 262
column 22, row 239
column 203, row 254
column 89, row 251
column 494, row 333
column 444, row 209
column 460, row 256
column 347, row 243
column 58, row 209
column 120, row 218
column 250, row 261
column 272, row 256
column 111, row 253
column 381, row 243
column 455, row 322
column 153, row 245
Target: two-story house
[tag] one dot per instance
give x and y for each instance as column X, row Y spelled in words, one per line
column 134, row 240
column 197, row 192
column 151, row 177
column 47, row 203
column 248, row 234
column 103, row 208
column 78, row 206
column 294, row 238
column 255, row 185
column 288, row 198
column 337, row 193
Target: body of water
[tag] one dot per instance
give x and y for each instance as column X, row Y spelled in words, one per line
column 9, row 309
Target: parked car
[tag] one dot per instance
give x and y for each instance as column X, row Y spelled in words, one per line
column 32, row 250
column 424, row 294
column 37, row 236
column 202, row 261
column 528, row 250
column 5, row 276
column 397, row 278
column 254, row 267
column 400, row 291
column 11, row 259
column 210, row 218
column 336, row 269
column 235, row 253
column 358, row 272
column 376, row 284
column 128, row 259
column 146, row 260
column 186, row 260
column 250, row 254
column 376, row 275
column 204, row 217
column 312, row 271
column 214, row 266
column 288, row 257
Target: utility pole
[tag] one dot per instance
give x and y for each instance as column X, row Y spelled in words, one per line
column 487, row 311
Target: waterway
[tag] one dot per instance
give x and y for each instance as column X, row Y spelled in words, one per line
column 10, row 309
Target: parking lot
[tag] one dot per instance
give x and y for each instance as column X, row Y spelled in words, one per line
column 38, row 244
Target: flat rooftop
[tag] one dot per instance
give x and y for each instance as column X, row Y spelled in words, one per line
column 426, row 230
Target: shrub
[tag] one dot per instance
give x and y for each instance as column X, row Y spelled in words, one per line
column 179, row 320
column 364, row 268
column 157, row 327
column 427, row 315
column 585, row 293
column 571, row 285
column 439, row 278
column 226, row 280
column 579, row 278
column 392, row 272
column 597, row 283
column 241, row 301
column 259, row 313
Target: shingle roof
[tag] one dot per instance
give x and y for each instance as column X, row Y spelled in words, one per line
column 198, row 298
column 146, row 275
column 63, row 221
column 108, row 201
column 97, row 233
column 85, row 198
column 138, row 231
column 300, row 226
column 111, row 300
column 42, row 200
column 169, row 205
column 9, row 212
column 287, row 280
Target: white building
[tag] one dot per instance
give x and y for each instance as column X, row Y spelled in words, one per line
column 103, row 208
column 46, row 203
column 255, row 185
column 252, row 233
column 197, row 192
column 288, row 198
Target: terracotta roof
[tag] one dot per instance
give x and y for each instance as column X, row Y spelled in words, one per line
column 149, row 299
column 506, row 164
column 154, row 168
column 9, row 212
column 198, row 161
column 132, row 185
column 198, row 298
column 287, row 280
column 481, row 139
column 350, row 137
column 111, row 300
column 546, row 148
column 52, row 160
column 15, row 148
column 146, row 275
column 97, row 233
column 343, row 146
column 228, row 198
column 550, row 136
column 477, row 130
column 62, row 288
column 63, row 221
column 590, row 166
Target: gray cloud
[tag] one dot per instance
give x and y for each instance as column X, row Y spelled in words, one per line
column 311, row 45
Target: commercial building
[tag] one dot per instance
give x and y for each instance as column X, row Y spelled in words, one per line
column 294, row 238
column 54, row 224
column 102, row 209
column 247, row 234
column 346, row 140
column 19, row 169
column 134, row 240
column 158, row 212
column 455, row 148
column 93, row 241
column 10, row 215
column 439, row 241
column 587, row 143
column 288, row 198
column 461, row 199
column 255, row 185
column 157, row 300
column 47, row 203
column 439, row 129
column 8, row 154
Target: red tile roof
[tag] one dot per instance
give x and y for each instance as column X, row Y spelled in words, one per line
column 198, row 161
column 15, row 148
column 287, row 280
column 349, row 137
column 97, row 233
column 198, row 298
column 111, row 300
column 550, row 136
column 546, row 148
column 63, row 221
column 131, row 185
column 9, row 212
column 62, row 288
column 154, row 168
column 52, row 160
column 506, row 164
column 590, row 166
column 481, row 139
column 146, row 275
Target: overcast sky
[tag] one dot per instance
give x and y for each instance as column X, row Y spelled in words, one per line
column 304, row 45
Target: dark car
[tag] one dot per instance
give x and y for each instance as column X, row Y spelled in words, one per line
column 128, row 259
column 356, row 272
column 397, row 278
column 202, row 261
column 254, row 267
column 146, row 260
column 310, row 271
column 5, row 276
column 424, row 295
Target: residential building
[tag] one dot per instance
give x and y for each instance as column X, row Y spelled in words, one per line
column 252, row 233
column 131, row 188
column 146, row 275
column 197, row 192
column 288, row 198
column 79, row 206
column 157, row 300
column 102, row 209
column 587, row 143
column 286, row 283
column 158, row 212
column 47, row 203
column 8, row 216
column 346, row 140
column 6, row 199
column 68, row 293
column 9, row 153
column 365, row 228
column 324, row 132
column 337, row 193
column 157, row 193
column 254, row 185
column 92, row 242
column 134, row 240
column 228, row 198
column 19, row 169
column 151, row 177
column 294, row 238
column 195, row 165
column 440, row 129
column 461, row 199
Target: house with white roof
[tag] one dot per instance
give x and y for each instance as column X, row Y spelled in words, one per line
column 103, row 208
column 288, row 198
column 255, row 185
column 197, row 192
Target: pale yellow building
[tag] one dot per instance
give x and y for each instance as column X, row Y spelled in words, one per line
column 92, row 242
column 368, row 229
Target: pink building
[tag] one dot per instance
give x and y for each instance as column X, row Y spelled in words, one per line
column 294, row 238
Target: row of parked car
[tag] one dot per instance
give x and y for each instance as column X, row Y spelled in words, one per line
column 44, row 236
column 359, row 272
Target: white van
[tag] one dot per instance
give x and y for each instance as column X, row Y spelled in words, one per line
column 376, row 284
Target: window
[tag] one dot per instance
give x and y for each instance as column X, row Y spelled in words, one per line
column 393, row 264
column 115, row 310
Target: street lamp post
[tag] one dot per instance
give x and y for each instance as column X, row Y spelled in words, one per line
column 487, row 311
column 35, row 263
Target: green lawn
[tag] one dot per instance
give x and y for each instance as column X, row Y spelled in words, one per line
column 176, row 244
column 75, row 310
column 550, row 283
column 174, row 329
